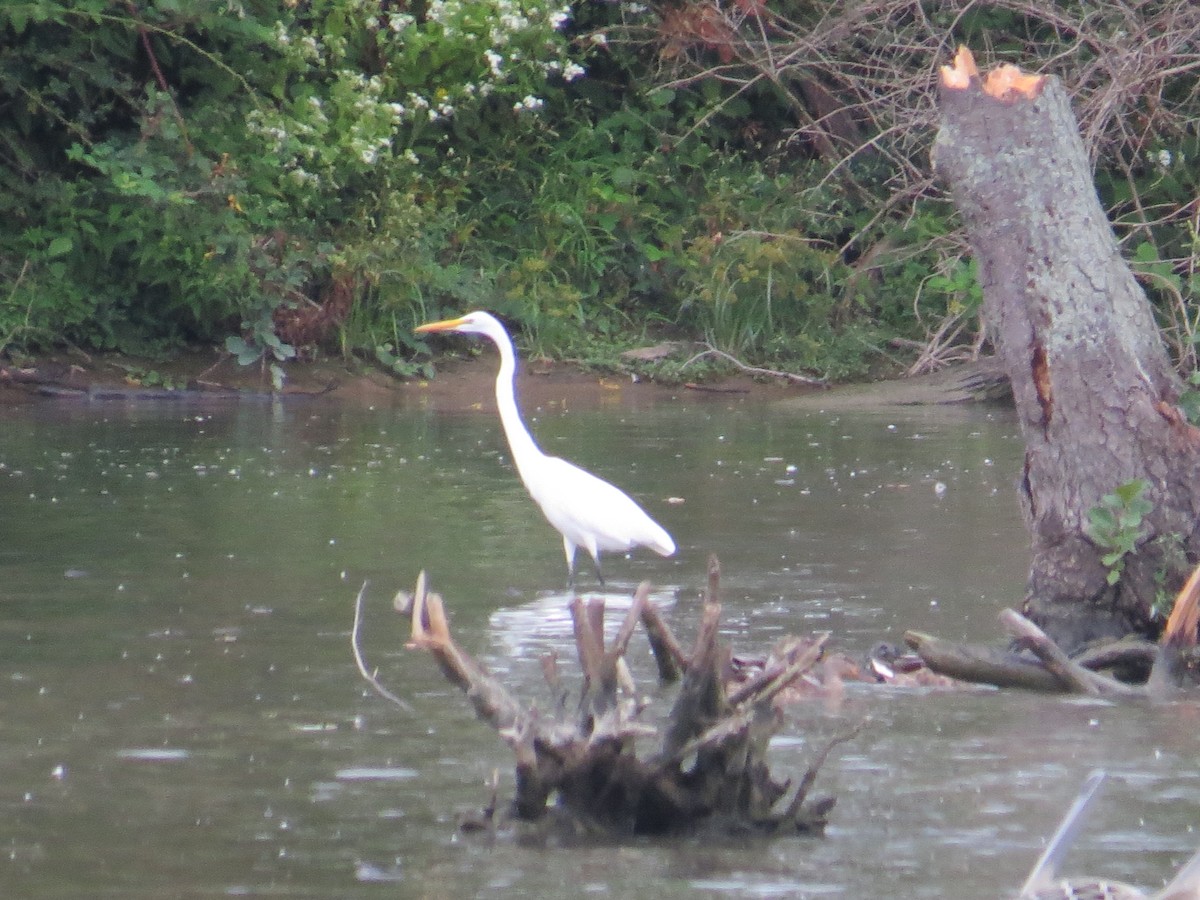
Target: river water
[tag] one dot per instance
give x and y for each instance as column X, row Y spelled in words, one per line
column 182, row 716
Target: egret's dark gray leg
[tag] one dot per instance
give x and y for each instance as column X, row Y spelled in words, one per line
column 599, row 574
column 569, row 550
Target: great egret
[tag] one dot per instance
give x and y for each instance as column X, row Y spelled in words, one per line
column 587, row 511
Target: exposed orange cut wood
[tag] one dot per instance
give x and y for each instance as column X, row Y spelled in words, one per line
column 959, row 74
column 1185, row 616
column 1042, row 384
column 1008, row 79
column 1004, row 82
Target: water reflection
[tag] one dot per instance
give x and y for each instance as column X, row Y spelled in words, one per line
column 183, row 717
column 543, row 625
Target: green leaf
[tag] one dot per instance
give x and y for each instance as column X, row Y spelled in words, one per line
column 623, row 176
column 1102, row 519
column 60, row 246
column 1189, row 402
column 1130, row 490
column 245, row 352
column 1145, row 252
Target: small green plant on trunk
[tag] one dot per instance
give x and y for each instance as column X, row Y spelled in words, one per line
column 1117, row 524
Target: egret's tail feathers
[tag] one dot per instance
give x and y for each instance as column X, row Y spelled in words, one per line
column 662, row 544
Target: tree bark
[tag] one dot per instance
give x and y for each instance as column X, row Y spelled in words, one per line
column 1094, row 388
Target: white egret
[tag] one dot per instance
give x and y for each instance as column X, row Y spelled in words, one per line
column 587, row 511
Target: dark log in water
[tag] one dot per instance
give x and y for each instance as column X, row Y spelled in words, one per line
column 1035, row 662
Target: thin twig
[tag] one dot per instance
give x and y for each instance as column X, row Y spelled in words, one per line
column 17, row 329
column 710, row 350
column 810, row 776
column 144, row 33
column 767, row 685
column 369, row 675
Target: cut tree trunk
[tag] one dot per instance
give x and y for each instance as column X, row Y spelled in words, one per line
column 1094, row 388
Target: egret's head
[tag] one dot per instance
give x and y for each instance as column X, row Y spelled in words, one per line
column 472, row 323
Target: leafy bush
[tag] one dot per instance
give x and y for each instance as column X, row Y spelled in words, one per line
column 277, row 176
column 184, row 172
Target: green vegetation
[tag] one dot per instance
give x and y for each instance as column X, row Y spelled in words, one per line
column 316, row 177
column 1117, row 524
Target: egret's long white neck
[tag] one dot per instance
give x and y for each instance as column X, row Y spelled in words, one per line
column 524, row 449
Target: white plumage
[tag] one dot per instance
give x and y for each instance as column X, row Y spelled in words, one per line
column 587, row 511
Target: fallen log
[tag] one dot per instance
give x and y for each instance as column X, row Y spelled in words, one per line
column 1070, row 675
column 1035, row 662
column 980, row 665
column 709, row 770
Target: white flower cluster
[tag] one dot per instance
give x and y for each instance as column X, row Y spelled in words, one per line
column 398, row 22
column 529, row 103
column 516, row 41
column 342, row 118
column 509, row 21
column 1164, row 158
column 495, row 62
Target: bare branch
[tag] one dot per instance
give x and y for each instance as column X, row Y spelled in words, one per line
column 370, row 674
column 710, row 350
column 858, row 80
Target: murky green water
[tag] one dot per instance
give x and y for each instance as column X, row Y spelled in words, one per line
column 182, row 717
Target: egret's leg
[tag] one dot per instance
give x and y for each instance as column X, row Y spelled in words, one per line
column 599, row 574
column 569, row 550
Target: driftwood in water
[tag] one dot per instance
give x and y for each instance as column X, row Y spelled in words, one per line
column 1045, row 881
column 709, row 769
column 1035, row 662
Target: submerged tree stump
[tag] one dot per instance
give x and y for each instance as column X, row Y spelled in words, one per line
column 709, row 768
column 1094, row 388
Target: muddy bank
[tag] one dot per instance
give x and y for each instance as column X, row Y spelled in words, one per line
column 460, row 385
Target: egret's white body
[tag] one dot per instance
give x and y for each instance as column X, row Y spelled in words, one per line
column 587, row 511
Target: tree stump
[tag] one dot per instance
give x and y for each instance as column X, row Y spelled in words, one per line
column 709, row 770
column 1094, row 388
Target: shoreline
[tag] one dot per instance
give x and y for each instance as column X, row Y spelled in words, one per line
column 460, row 385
